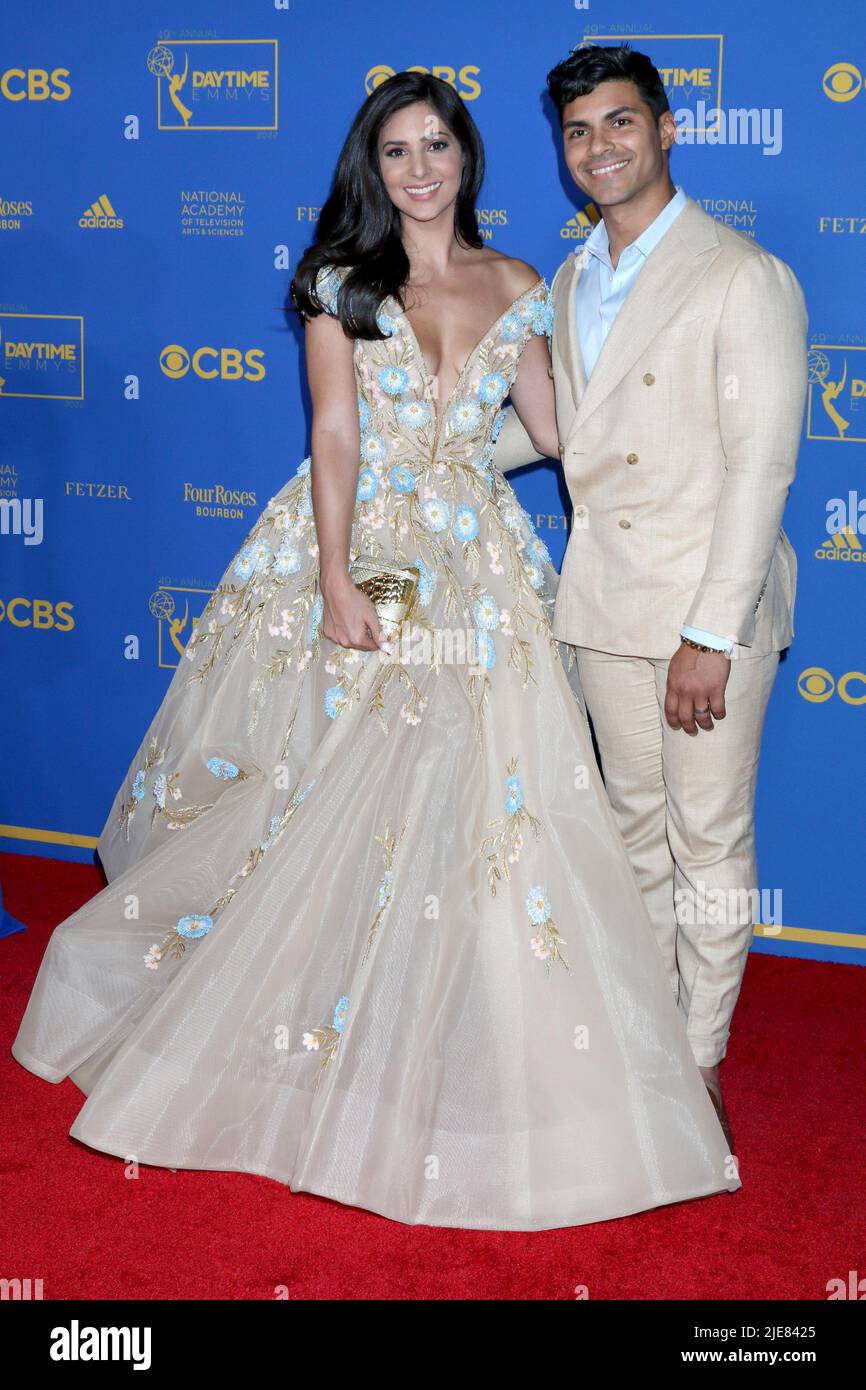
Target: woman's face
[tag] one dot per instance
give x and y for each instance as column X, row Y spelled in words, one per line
column 421, row 162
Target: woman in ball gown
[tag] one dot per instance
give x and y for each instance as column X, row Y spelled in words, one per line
column 370, row 929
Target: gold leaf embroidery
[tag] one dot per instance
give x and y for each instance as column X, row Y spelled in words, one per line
column 389, row 843
column 503, row 847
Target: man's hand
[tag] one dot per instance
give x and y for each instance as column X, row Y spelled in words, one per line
column 696, row 682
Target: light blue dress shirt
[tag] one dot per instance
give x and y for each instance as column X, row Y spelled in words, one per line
column 600, row 294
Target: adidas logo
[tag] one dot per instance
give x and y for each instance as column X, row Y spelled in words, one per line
column 578, row 228
column 101, row 214
column 844, row 545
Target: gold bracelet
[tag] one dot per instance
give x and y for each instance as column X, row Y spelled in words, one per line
column 699, row 647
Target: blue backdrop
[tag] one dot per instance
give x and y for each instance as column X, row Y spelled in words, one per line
column 161, row 178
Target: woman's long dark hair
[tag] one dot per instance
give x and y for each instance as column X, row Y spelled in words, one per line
column 359, row 226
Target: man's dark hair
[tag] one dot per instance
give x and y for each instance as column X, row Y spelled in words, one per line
column 584, row 68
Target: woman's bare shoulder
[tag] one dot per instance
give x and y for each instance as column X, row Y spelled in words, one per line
column 517, row 275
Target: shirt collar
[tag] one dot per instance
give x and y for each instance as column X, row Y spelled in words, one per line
column 598, row 244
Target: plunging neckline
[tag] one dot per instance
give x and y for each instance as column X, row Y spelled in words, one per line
column 422, row 361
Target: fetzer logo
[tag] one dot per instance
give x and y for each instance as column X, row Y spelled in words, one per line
column 101, row 215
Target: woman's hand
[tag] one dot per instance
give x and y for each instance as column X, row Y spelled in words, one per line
column 349, row 616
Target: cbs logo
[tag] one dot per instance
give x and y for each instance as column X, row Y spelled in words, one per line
column 817, row 686
column 469, row 90
column 842, row 82
column 229, row 364
column 16, row 84
column 38, row 612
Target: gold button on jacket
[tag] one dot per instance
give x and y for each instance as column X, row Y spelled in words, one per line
column 705, row 530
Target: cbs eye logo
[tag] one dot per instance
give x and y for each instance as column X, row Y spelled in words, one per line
column 35, row 84
column 38, row 612
column 817, row 686
column 227, row 364
column 466, row 75
column 842, row 82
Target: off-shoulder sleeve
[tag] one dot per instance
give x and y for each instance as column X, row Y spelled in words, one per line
column 541, row 306
column 328, row 282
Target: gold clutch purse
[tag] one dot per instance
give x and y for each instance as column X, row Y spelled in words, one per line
column 392, row 587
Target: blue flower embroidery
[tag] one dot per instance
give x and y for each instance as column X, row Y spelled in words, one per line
column 335, row 700
column 542, row 316
column 244, row 564
column 492, row 388
column 437, row 513
column 535, row 575
column 271, row 835
column 393, row 380
column 402, row 478
column 327, row 287
column 194, row 925
column 316, row 612
column 386, row 887
column 466, row 523
column 485, row 649
column 547, row 943
column 513, row 795
column 373, row 448
column 511, row 328
column 538, row 550
column 220, row 767
column 262, row 555
column 386, row 324
column 138, row 785
column 497, row 426
column 427, row 582
column 286, row 561
column 413, row 415
column 486, row 611
column 465, row 415
column 363, row 412
column 368, row 485
column 339, row 1020
column 538, row 906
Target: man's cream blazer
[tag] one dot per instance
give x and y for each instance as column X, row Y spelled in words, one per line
column 679, row 451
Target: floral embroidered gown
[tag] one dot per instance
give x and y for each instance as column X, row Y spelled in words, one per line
column 370, row 929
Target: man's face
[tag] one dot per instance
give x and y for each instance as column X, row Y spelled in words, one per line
column 614, row 147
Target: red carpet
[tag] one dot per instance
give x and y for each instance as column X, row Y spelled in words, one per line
column 794, row 1082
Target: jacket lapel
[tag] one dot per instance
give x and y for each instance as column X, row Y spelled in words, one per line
column 672, row 270
column 566, row 345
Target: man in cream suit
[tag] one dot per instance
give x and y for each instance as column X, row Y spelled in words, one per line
column 679, row 363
